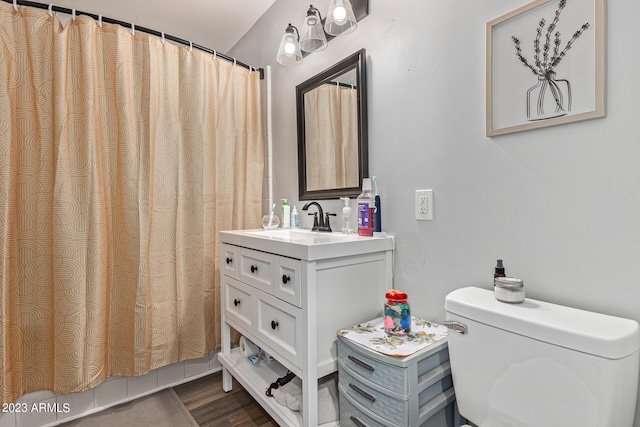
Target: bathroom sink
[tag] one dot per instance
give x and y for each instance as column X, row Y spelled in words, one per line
column 304, row 236
column 306, row 244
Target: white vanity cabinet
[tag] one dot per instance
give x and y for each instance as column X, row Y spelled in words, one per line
column 289, row 292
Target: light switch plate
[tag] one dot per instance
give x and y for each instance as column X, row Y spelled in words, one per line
column 424, row 205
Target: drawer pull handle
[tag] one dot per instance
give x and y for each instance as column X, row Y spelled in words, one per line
column 274, row 325
column 362, row 393
column 254, row 268
column 285, row 278
column 229, row 260
column 361, row 363
column 236, row 302
column 358, row 422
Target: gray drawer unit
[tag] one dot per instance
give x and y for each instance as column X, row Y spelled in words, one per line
column 380, row 390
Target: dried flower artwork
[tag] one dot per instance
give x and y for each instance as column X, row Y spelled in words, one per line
column 550, row 97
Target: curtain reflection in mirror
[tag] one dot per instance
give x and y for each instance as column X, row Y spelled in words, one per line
column 331, row 136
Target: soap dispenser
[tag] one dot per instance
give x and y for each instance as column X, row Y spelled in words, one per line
column 346, row 216
column 286, row 214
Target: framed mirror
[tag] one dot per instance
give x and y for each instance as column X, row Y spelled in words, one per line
column 332, row 131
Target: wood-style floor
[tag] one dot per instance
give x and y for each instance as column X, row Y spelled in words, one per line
column 210, row 406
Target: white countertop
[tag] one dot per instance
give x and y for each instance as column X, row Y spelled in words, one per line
column 305, row 244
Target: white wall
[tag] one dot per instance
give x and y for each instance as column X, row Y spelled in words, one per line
column 560, row 205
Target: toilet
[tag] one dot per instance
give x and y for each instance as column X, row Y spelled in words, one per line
column 537, row 364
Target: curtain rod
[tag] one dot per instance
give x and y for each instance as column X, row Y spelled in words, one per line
column 137, row 28
column 340, row 84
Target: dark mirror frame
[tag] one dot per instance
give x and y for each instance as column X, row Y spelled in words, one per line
column 358, row 60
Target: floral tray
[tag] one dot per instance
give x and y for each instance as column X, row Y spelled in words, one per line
column 372, row 335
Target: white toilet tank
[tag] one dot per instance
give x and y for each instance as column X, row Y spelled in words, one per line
column 538, row 364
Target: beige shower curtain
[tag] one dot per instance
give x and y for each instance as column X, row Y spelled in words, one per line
column 331, row 137
column 120, row 159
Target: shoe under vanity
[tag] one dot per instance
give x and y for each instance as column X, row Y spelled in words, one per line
column 289, row 291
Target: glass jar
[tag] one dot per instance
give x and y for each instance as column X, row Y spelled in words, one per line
column 397, row 313
column 270, row 222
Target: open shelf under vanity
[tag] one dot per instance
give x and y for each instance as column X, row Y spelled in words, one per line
column 256, row 379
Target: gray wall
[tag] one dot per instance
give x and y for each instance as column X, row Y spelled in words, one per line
column 560, row 205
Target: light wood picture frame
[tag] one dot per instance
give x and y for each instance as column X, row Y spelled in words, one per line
column 546, row 65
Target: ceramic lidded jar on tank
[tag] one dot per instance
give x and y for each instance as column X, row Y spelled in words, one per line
column 509, row 289
column 397, row 313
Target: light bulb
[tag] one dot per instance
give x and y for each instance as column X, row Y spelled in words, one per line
column 339, row 13
column 340, row 18
column 289, row 48
column 289, row 51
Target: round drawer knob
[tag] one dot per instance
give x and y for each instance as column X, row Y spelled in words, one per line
column 236, row 302
column 229, row 260
column 254, row 268
column 285, row 279
column 274, row 325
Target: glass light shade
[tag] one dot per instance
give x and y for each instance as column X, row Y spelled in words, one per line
column 289, row 52
column 340, row 18
column 312, row 37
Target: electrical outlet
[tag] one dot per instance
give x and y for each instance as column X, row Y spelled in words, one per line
column 424, row 205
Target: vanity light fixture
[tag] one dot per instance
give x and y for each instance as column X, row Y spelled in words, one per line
column 340, row 18
column 312, row 37
column 289, row 52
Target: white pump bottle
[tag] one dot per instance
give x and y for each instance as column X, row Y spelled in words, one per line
column 346, row 216
column 286, row 214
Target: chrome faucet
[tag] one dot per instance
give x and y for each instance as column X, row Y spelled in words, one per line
column 322, row 223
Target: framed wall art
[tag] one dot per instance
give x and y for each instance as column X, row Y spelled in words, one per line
column 546, row 65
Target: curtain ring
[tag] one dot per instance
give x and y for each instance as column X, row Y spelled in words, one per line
column 215, row 54
column 234, row 62
column 190, row 46
column 15, row 5
column 133, row 29
column 351, row 87
column 100, row 20
column 73, row 14
column 51, row 10
column 163, row 37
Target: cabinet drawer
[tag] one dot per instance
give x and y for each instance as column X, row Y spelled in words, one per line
column 288, row 279
column 389, row 406
column 277, row 275
column 280, row 325
column 353, row 415
column 441, row 414
column 239, row 305
column 393, row 409
column 256, row 268
column 393, row 378
column 228, row 261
